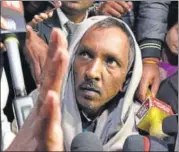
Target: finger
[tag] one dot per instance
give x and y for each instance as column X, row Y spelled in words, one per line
column 38, row 18
column 29, row 31
column 60, row 59
column 2, row 47
column 106, row 13
column 119, row 8
column 35, row 69
column 34, row 22
column 57, row 3
column 56, row 64
column 155, row 86
column 143, row 87
column 42, row 59
column 4, row 24
column 114, row 13
column 124, row 5
column 130, row 4
column 50, row 14
column 43, row 16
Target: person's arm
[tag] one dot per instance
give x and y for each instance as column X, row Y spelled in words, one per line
column 151, row 27
column 111, row 8
column 42, row 129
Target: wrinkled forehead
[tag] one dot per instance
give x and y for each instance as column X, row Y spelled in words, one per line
column 103, row 33
column 124, row 34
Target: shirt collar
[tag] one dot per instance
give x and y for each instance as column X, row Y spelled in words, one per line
column 64, row 19
column 85, row 116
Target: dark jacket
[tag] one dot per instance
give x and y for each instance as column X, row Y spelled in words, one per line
column 148, row 21
column 151, row 26
column 44, row 28
column 168, row 91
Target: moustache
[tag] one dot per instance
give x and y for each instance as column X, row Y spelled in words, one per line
column 90, row 85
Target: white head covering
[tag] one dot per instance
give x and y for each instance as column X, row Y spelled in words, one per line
column 110, row 124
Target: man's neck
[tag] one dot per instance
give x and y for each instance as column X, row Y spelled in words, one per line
column 92, row 114
column 77, row 18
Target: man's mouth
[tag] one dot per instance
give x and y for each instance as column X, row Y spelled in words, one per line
column 90, row 88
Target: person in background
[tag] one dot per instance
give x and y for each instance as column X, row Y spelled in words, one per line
column 148, row 19
column 151, row 27
column 169, row 60
column 168, row 91
column 67, row 18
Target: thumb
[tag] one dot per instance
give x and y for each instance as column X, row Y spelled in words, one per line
column 4, row 24
column 58, row 50
column 29, row 31
column 155, row 86
column 54, row 107
column 143, row 89
column 130, row 4
column 48, row 131
column 54, row 134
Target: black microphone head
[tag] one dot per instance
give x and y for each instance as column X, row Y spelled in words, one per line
column 134, row 143
column 86, row 141
column 137, row 143
column 157, row 144
column 170, row 125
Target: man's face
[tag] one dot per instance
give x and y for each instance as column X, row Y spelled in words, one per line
column 172, row 39
column 75, row 6
column 100, row 67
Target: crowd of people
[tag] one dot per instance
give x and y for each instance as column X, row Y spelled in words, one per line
column 88, row 66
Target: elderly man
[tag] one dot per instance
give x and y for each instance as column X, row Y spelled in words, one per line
column 97, row 92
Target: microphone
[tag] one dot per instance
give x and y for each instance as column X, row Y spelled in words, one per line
column 16, row 27
column 169, row 125
column 86, row 141
column 143, row 143
column 12, row 11
column 150, row 116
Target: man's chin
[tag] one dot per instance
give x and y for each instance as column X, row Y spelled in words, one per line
column 87, row 105
column 71, row 4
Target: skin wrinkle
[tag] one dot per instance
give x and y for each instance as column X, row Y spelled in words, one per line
column 98, row 70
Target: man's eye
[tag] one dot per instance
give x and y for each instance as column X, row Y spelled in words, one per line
column 84, row 55
column 111, row 62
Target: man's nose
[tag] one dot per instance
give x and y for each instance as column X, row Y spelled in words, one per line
column 94, row 70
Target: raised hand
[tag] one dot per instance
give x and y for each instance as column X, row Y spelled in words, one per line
column 42, row 129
